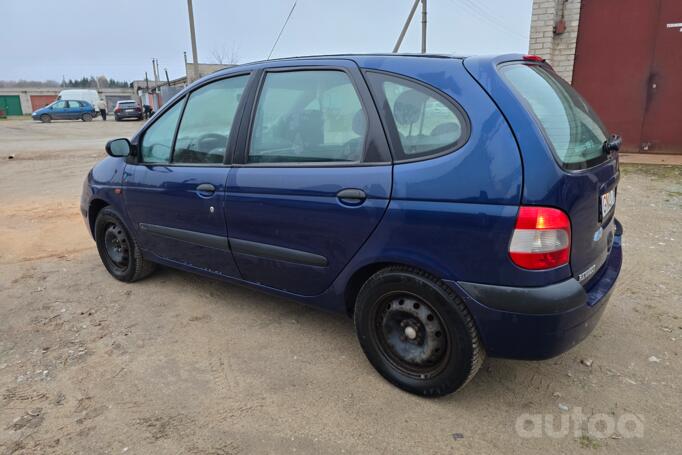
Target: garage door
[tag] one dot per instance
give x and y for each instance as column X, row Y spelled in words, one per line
column 38, row 101
column 10, row 104
column 639, row 96
column 112, row 99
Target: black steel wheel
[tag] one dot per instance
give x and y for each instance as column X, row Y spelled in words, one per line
column 86, row 117
column 117, row 246
column 416, row 332
column 118, row 250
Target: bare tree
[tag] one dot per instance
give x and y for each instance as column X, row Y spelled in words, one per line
column 223, row 56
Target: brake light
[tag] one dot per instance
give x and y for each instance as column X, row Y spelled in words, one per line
column 541, row 239
column 533, row 58
column 118, row 109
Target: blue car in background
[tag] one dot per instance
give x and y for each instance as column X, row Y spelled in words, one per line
column 454, row 207
column 65, row 110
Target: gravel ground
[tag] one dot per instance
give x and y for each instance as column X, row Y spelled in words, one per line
column 182, row 364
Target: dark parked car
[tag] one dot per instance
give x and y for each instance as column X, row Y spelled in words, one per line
column 65, row 110
column 127, row 109
column 454, row 207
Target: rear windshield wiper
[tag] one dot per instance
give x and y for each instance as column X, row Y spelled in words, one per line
column 612, row 144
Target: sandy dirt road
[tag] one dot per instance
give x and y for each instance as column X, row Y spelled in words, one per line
column 183, row 364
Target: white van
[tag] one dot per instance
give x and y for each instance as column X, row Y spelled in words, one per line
column 90, row 96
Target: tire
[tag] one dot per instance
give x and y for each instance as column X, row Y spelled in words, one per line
column 117, row 119
column 87, row 117
column 416, row 332
column 118, row 250
column 45, row 118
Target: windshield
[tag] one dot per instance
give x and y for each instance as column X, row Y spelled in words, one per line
column 571, row 126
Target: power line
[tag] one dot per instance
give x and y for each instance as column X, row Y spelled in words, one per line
column 282, row 30
column 486, row 16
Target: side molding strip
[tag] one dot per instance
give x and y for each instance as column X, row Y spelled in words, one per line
column 199, row 238
column 277, row 252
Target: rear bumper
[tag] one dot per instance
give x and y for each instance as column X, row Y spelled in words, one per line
column 542, row 322
column 128, row 115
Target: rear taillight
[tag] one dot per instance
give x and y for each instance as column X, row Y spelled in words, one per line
column 542, row 238
column 118, row 109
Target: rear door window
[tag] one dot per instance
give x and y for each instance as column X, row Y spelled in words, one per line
column 572, row 128
column 311, row 116
column 425, row 122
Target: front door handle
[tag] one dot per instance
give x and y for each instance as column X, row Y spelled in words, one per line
column 351, row 196
column 205, row 189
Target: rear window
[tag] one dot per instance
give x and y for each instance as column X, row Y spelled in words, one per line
column 573, row 129
column 127, row 104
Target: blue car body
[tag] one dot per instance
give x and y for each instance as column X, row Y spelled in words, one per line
column 284, row 230
column 65, row 110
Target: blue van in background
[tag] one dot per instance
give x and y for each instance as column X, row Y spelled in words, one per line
column 455, row 207
column 65, row 110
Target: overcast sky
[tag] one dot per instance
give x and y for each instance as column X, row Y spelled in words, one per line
column 118, row 38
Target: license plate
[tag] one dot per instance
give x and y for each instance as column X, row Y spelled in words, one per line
column 130, row 110
column 607, row 202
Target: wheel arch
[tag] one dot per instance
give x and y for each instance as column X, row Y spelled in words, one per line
column 362, row 274
column 96, row 206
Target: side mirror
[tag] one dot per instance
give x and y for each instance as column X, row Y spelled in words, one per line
column 118, row 148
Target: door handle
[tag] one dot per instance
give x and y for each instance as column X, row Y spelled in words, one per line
column 205, row 189
column 351, row 196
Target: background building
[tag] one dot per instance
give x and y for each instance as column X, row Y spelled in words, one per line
column 625, row 58
column 25, row 100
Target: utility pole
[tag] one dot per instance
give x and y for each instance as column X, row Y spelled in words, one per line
column 423, row 26
column 167, row 78
column 156, row 75
column 195, row 58
column 410, row 16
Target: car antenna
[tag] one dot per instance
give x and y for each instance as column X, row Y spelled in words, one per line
column 282, row 30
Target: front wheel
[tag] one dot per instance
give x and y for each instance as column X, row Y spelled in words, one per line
column 45, row 118
column 118, row 250
column 416, row 332
column 87, row 117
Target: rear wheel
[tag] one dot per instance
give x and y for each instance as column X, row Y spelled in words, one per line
column 118, row 250
column 416, row 332
column 45, row 118
column 87, row 117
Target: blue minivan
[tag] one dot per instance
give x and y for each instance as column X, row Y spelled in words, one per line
column 454, row 207
column 65, row 110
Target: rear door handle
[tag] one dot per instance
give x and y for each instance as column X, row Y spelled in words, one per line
column 205, row 189
column 351, row 196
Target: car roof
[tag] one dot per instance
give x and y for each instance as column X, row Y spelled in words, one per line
column 356, row 57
